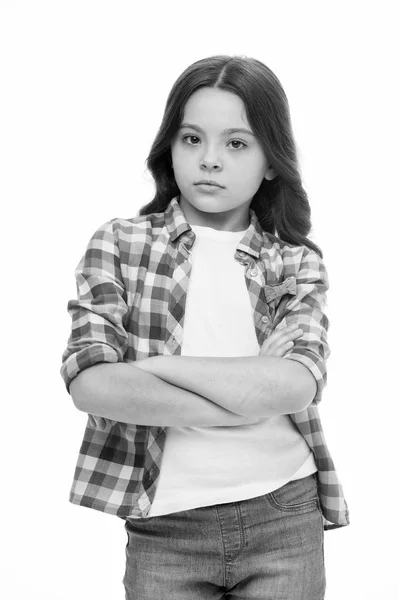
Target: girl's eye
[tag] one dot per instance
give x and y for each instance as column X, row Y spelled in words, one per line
column 231, row 141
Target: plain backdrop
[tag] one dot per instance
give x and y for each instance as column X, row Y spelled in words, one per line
column 83, row 89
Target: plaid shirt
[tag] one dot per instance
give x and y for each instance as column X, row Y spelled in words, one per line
column 132, row 283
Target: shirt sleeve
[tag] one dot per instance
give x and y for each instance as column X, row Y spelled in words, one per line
column 100, row 311
column 306, row 310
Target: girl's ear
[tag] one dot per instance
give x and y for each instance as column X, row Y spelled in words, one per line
column 270, row 173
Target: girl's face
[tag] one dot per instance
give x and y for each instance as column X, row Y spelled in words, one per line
column 235, row 160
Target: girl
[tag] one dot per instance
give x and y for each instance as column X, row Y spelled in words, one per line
column 198, row 349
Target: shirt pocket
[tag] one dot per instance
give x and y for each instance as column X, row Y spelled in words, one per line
column 277, row 297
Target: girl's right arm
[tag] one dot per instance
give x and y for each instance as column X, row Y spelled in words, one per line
column 124, row 393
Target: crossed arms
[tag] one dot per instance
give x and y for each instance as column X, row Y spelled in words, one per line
column 190, row 391
column 251, row 386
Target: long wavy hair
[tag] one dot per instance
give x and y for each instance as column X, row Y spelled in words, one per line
column 281, row 205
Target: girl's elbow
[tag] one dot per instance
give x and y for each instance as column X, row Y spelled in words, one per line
column 306, row 392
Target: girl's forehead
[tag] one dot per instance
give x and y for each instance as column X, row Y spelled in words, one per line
column 205, row 108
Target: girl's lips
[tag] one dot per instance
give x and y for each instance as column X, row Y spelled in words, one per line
column 208, row 187
column 208, row 182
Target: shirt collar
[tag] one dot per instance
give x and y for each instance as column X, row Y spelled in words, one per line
column 252, row 242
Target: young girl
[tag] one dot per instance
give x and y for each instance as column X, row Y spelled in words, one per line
column 198, row 349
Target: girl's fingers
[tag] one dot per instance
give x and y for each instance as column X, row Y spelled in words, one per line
column 279, row 342
column 278, row 338
column 294, row 335
column 281, row 350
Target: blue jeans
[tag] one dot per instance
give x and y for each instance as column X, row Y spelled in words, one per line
column 269, row 547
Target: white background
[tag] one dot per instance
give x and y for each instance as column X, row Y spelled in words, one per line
column 84, row 85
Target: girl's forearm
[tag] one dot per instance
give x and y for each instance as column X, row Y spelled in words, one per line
column 252, row 386
column 121, row 392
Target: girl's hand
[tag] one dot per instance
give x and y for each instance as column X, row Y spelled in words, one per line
column 280, row 341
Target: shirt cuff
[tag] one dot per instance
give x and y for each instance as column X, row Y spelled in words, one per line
column 85, row 358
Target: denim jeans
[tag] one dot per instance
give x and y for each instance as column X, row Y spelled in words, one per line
column 269, row 547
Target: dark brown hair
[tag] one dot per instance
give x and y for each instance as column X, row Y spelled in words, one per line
column 281, row 205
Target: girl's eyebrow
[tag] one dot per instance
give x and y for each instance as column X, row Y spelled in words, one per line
column 226, row 131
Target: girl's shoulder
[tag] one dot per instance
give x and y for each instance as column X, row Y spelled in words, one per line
column 287, row 258
column 275, row 245
column 129, row 226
